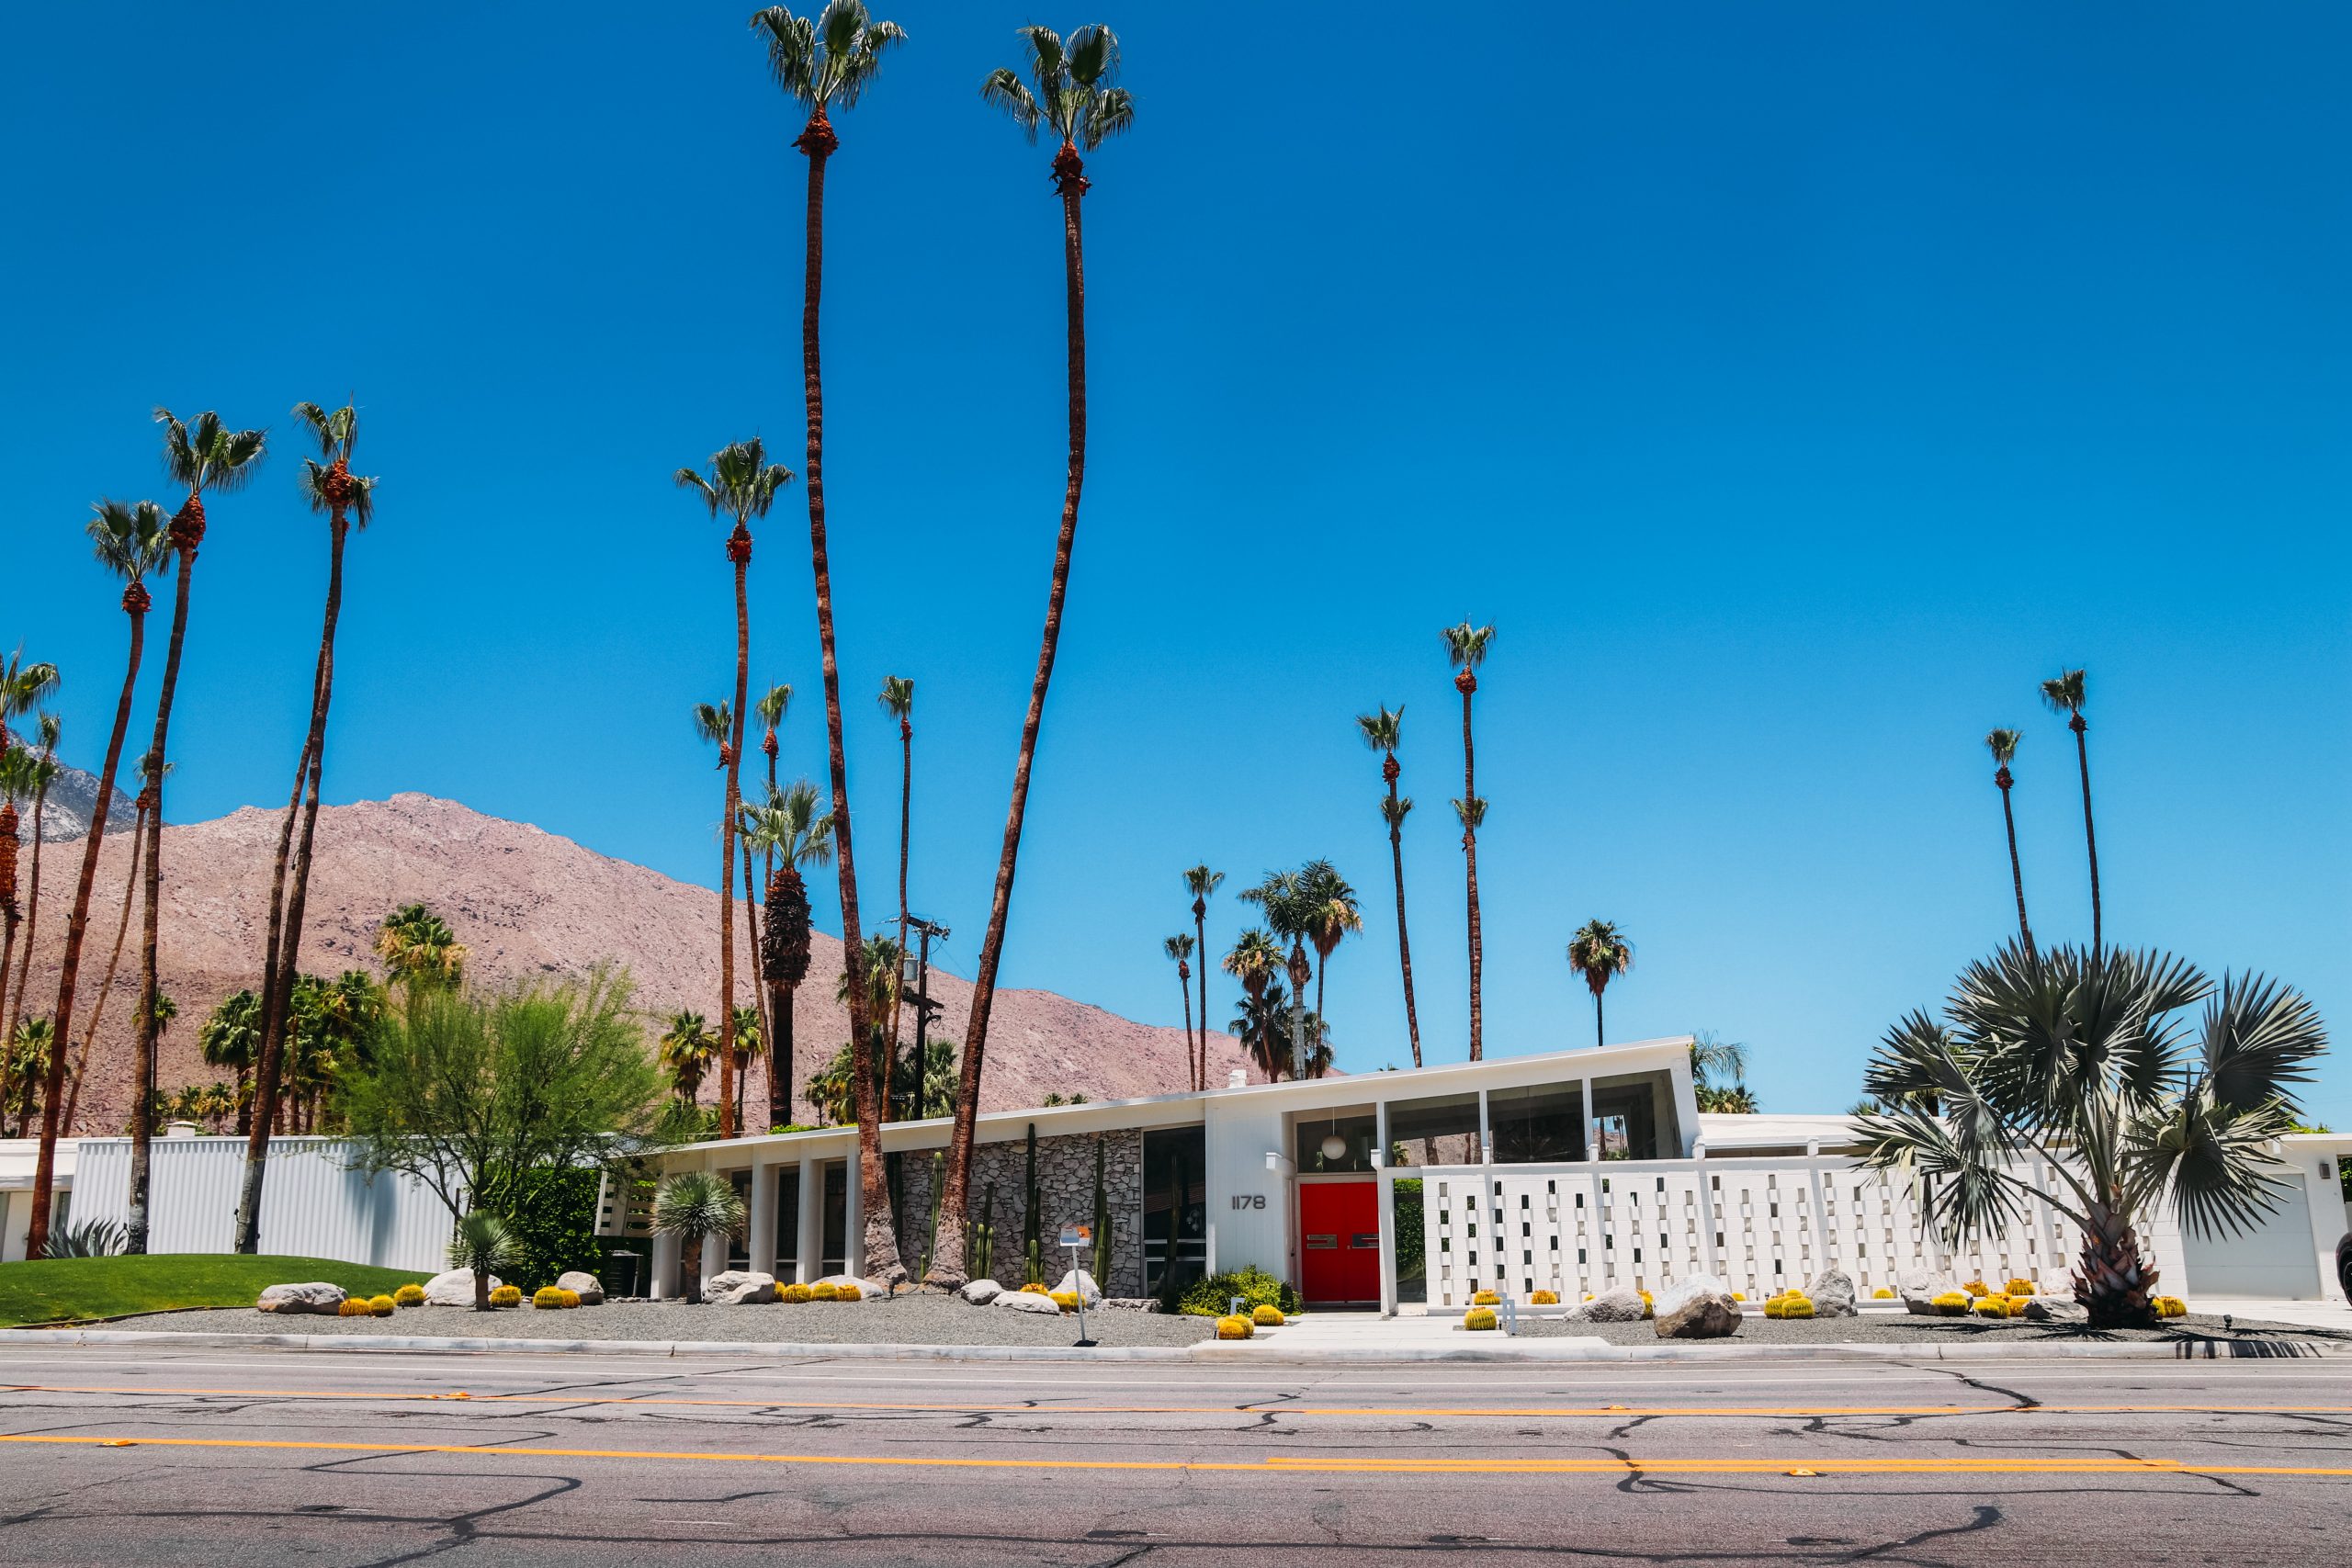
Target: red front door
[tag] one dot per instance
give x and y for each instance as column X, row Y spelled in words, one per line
column 1338, row 1230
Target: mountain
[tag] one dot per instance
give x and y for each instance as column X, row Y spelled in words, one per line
column 531, row 906
column 72, row 795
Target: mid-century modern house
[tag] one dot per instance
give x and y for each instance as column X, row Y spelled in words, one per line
column 1568, row 1171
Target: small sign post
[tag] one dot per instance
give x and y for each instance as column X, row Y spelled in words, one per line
column 1075, row 1237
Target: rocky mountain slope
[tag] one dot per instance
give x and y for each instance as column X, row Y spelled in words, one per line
column 531, row 905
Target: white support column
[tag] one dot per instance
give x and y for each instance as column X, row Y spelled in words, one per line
column 1385, row 1184
column 663, row 1285
column 713, row 1257
column 853, row 1215
column 812, row 1221
column 2324, row 1204
column 760, row 1244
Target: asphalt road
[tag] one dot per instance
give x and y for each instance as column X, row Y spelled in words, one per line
column 128, row 1457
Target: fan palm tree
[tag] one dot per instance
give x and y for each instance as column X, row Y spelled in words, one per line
column 28, row 1050
column 742, row 484
column 1180, row 948
column 419, row 949
column 880, row 966
column 344, row 498
column 2063, row 693
column 18, row 781
column 694, row 1206
column 1381, row 732
column 793, row 832
column 750, row 1044
column 230, row 1038
column 1465, row 649
column 686, row 1053
column 40, row 772
column 1262, row 1025
column 1599, row 952
column 827, row 63
column 129, row 542
column 2003, row 744
column 1072, row 92
column 1718, row 1075
column 1331, row 914
column 771, row 709
column 141, row 824
column 1290, row 910
column 2079, row 1057
column 1255, row 959
column 1200, row 882
column 23, row 687
column 897, row 700
column 205, row 456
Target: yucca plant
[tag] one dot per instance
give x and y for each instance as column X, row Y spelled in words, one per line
column 2084, row 1059
column 484, row 1245
column 694, row 1206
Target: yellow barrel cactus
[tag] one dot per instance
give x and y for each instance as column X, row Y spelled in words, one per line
column 1034, row 1288
column 1267, row 1317
column 409, row 1296
column 1486, row 1298
column 1649, row 1307
column 382, row 1306
column 1545, row 1299
column 1234, row 1328
column 1881, row 1294
column 794, row 1294
column 825, row 1291
column 507, row 1296
column 1479, row 1319
column 1789, row 1303
column 1951, row 1303
column 1977, row 1288
column 1066, row 1300
column 2020, row 1288
column 2169, row 1306
column 354, row 1306
column 848, row 1294
column 1992, row 1306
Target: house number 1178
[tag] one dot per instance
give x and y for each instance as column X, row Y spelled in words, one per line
column 1249, row 1200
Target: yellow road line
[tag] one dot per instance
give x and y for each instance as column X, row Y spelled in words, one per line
column 1277, row 1465
column 1263, row 1408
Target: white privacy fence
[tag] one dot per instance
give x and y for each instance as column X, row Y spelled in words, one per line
column 1763, row 1225
column 311, row 1205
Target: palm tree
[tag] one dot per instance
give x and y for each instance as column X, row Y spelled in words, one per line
column 1263, row 1026
column 344, row 498
column 206, row 455
column 1180, row 948
column 1255, row 959
column 1200, row 882
column 1331, row 914
column 743, row 484
column 1718, row 1075
column 1465, row 649
column 419, row 949
column 1073, row 94
column 230, row 1038
column 897, row 700
column 686, row 1049
column 2003, row 744
column 1381, row 732
column 751, row 1043
column 19, row 781
column 693, row 1206
column 141, row 824
column 2072, row 1056
column 40, row 773
column 129, row 541
column 793, row 833
column 29, row 1051
column 770, row 708
column 2063, row 693
column 1290, row 907
column 1600, row 952
column 879, row 964
column 824, row 64
column 23, row 688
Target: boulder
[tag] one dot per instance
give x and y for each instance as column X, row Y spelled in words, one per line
column 738, row 1286
column 2053, row 1309
column 590, row 1289
column 1697, row 1307
column 980, row 1292
column 316, row 1296
column 866, row 1289
column 1082, row 1283
column 455, row 1288
column 1919, row 1288
column 1029, row 1301
column 1623, row 1304
column 1831, row 1292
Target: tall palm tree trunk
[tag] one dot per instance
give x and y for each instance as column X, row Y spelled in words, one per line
column 760, row 997
column 881, row 1240
column 1404, row 943
column 2090, row 835
column 32, row 922
column 1600, row 1034
column 739, row 550
column 77, row 924
column 905, row 808
column 1201, row 940
column 268, row 1069
column 1192, row 1047
column 947, row 1263
column 1467, row 683
column 114, row 962
column 2017, row 870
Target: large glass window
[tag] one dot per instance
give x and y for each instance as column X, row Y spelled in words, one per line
column 1538, row 1124
column 1355, row 1135
column 1626, row 1119
column 836, row 1222
column 1175, row 1209
column 739, row 1246
column 1441, row 1130
column 787, row 1224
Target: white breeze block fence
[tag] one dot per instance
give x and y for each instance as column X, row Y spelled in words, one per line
column 311, row 1206
column 1763, row 1225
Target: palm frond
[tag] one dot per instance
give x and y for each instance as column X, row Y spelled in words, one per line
column 1004, row 90
column 1093, row 56
column 2260, row 1039
column 2063, row 693
column 2214, row 1160
column 1107, row 114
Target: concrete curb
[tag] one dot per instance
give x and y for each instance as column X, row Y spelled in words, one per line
column 1209, row 1351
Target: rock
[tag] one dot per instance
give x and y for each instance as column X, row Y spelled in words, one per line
column 316, row 1296
column 1831, row 1292
column 980, row 1292
column 1919, row 1288
column 1697, row 1307
column 455, row 1288
column 1029, row 1301
column 1082, row 1282
column 738, row 1286
column 1129, row 1304
column 590, row 1289
column 866, row 1289
column 2050, row 1309
column 1623, row 1304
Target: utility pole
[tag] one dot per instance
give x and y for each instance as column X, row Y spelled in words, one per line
column 911, row 1099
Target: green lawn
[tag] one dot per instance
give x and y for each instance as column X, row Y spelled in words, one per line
column 62, row 1289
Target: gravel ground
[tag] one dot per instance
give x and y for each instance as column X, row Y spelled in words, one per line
column 1881, row 1328
column 910, row 1320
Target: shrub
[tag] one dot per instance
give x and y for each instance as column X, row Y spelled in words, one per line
column 1977, row 1288
column 825, row 1291
column 1479, row 1319
column 1545, row 1299
column 848, row 1294
column 1951, row 1303
column 1234, row 1328
column 1268, row 1317
column 1991, row 1306
column 1209, row 1297
column 2020, row 1288
column 1486, row 1298
column 1066, row 1300
column 794, row 1294
column 409, row 1296
column 507, row 1296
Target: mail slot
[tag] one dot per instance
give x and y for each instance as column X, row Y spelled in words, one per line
column 1365, row 1239
column 1323, row 1243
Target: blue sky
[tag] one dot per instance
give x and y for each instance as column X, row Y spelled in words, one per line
column 1792, row 388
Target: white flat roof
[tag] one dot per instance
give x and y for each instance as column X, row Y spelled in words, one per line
column 20, row 1159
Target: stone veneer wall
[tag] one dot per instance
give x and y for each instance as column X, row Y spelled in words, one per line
column 1066, row 1189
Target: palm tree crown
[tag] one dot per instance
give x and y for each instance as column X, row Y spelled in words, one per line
column 829, row 58
column 715, row 722
column 208, row 455
column 2063, row 693
column 790, row 827
column 23, row 687
column 1600, row 952
column 331, row 489
column 417, row 944
column 130, row 542
column 1179, row 948
column 742, row 484
column 1074, row 92
column 2003, row 744
column 1384, row 729
column 1466, row 644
